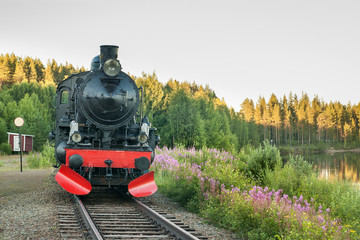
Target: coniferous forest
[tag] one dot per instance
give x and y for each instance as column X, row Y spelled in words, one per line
column 186, row 114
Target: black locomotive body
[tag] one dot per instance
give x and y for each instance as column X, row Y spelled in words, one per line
column 97, row 136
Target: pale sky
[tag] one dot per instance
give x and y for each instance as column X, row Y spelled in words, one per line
column 241, row 49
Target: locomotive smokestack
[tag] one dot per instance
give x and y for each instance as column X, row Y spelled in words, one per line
column 108, row 52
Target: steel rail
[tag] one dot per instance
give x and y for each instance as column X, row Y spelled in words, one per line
column 88, row 221
column 168, row 225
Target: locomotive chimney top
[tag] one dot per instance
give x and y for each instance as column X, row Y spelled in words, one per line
column 108, row 52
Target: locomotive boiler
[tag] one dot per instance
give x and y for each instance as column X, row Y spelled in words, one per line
column 101, row 137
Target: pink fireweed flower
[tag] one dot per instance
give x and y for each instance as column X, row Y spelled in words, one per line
column 320, row 209
column 321, row 219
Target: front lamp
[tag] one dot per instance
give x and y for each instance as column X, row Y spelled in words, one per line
column 112, row 67
column 142, row 138
column 76, row 137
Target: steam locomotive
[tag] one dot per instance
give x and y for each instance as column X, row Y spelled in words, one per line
column 101, row 137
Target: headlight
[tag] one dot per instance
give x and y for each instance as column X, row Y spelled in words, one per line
column 76, row 137
column 142, row 138
column 112, row 67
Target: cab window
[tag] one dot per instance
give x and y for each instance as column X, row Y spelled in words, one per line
column 64, row 97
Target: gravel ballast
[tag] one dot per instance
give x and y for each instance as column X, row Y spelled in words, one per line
column 33, row 215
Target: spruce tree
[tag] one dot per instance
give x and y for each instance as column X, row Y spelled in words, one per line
column 19, row 75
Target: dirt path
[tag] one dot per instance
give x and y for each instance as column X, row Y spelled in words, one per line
column 15, row 182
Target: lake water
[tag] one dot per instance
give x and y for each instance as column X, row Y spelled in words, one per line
column 340, row 165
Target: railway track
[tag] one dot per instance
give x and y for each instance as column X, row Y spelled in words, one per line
column 70, row 223
column 110, row 216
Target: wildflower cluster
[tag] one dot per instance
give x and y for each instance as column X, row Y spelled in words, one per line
column 210, row 182
column 291, row 218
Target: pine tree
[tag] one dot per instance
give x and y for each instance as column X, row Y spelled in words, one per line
column 265, row 118
column 153, row 94
column 330, row 116
column 312, row 114
column 287, row 117
column 276, row 116
column 33, row 77
column 346, row 132
column 19, row 75
column 5, row 75
column 247, row 110
column 39, row 67
column 49, row 75
column 186, row 124
column 301, row 115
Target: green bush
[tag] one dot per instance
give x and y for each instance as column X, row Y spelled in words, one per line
column 5, row 149
column 44, row 159
column 33, row 160
column 261, row 159
column 290, row 177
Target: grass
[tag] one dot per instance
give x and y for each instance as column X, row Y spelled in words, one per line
column 12, row 163
column 33, row 160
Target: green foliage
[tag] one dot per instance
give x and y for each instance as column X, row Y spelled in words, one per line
column 3, row 128
column 290, row 177
column 33, row 103
column 187, row 127
column 44, row 159
column 262, row 159
column 33, row 160
column 297, row 178
column 341, row 197
column 5, row 149
column 153, row 94
column 184, row 191
column 27, row 90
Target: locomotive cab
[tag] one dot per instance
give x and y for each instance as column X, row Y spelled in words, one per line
column 98, row 138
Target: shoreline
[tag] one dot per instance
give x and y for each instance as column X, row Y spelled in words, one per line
column 331, row 150
column 328, row 151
